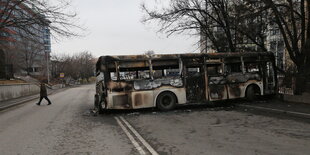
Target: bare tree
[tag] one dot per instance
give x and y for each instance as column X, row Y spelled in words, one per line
column 292, row 18
column 28, row 54
column 149, row 52
column 64, row 63
column 250, row 20
column 2, row 65
column 223, row 23
column 87, row 65
column 30, row 15
column 10, row 54
column 80, row 65
column 23, row 24
column 240, row 20
column 58, row 63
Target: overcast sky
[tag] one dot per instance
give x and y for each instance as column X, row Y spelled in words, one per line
column 114, row 28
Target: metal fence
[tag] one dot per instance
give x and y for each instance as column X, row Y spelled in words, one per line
column 286, row 84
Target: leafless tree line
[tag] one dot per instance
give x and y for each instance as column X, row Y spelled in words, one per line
column 77, row 66
column 27, row 55
column 227, row 25
column 240, row 25
column 24, row 54
column 23, row 24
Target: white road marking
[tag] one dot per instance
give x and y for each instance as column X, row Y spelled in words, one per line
column 133, row 141
column 147, row 145
column 277, row 110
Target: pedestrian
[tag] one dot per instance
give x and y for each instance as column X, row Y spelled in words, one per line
column 43, row 94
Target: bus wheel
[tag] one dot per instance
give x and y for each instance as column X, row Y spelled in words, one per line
column 166, row 101
column 251, row 93
column 99, row 108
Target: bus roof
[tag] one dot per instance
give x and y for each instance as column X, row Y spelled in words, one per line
column 137, row 60
column 177, row 56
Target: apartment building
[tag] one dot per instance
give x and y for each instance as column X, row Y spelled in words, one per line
column 25, row 49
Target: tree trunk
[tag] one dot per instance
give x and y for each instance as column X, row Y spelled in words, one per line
column 300, row 79
column 303, row 67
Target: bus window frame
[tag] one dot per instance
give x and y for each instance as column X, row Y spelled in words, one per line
column 219, row 70
column 119, row 69
column 178, row 66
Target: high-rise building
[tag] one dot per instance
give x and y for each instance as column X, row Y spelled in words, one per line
column 27, row 48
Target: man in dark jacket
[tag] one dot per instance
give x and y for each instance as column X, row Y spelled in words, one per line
column 43, row 94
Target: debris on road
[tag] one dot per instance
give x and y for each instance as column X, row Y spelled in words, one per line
column 134, row 113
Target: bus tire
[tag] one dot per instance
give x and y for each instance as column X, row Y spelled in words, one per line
column 98, row 106
column 251, row 93
column 166, row 101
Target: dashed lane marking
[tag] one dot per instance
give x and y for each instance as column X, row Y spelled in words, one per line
column 133, row 141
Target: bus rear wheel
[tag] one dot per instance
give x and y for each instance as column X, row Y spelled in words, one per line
column 99, row 108
column 98, row 105
column 251, row 93
column 166, row 101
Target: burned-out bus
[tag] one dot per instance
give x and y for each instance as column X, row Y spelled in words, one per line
column 165, row 81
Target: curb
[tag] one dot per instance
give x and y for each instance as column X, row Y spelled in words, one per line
column 18, row 103
column 293, row 113
column 31, row 98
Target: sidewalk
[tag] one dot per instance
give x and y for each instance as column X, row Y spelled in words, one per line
column 296, row 109
column 304, row 98
column 17, row 101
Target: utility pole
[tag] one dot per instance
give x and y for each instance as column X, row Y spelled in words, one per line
column 206, row 39
column 47, row 66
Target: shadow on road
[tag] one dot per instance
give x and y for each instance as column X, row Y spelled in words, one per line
column 215, row 106
column 225, row 105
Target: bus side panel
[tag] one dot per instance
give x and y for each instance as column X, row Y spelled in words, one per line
column 180, row 93
column 142, row 99
column 235, row 90
column 134, row 100
column 217, row 92
column 238, row 90
column 119, row 100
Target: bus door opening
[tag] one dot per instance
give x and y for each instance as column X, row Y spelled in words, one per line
column 216, row 82
column 195, row 84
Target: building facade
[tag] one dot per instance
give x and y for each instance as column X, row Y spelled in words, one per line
column 275, row 44
column 28, row 49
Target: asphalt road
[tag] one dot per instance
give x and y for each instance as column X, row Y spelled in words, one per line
column 68, row 127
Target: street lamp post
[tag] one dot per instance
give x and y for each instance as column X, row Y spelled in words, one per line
column 47, row 66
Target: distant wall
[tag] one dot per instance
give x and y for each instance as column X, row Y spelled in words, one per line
column 17, row 90
column 58, row 86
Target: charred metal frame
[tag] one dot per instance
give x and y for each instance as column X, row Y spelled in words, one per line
column 142, row 93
